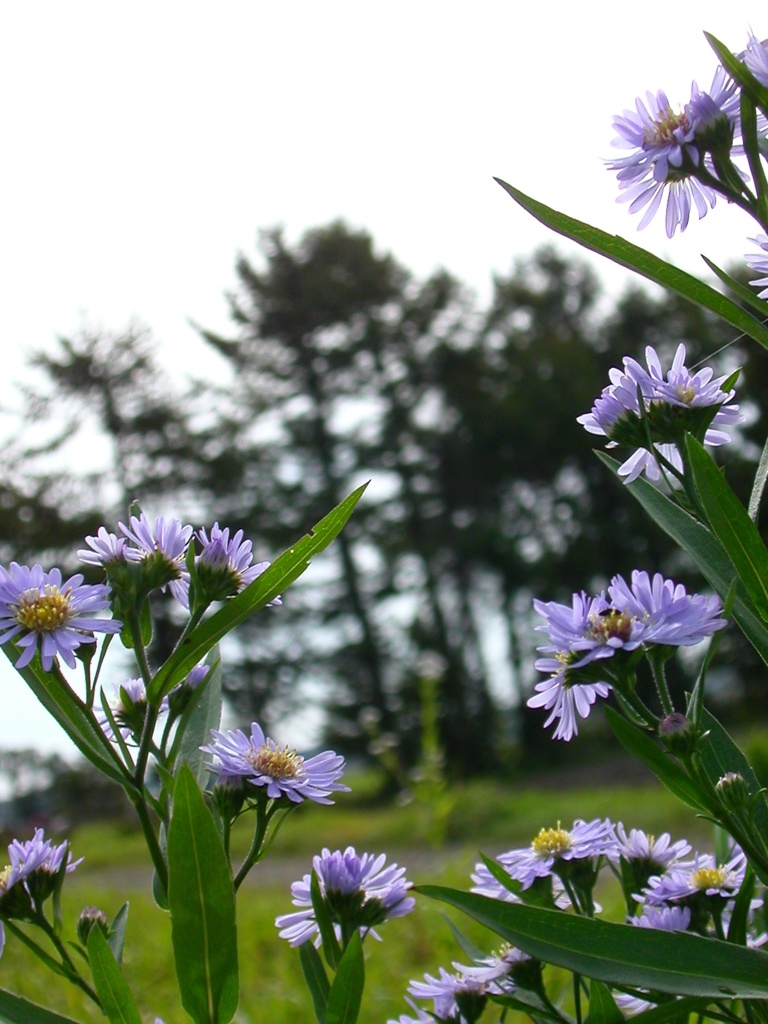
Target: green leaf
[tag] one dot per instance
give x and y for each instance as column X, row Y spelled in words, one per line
column 201, row 898
column 53, row 692
column 116, row 938
column 316, row 979
column 676, row 962
column 746, row 295
column 330, row 943
column 706, row 551
column 202, row 714
column 737, row 928
column 346, row 992
column 761, row 477
column 468, row 947
column 731, row 525
column 676, row 1011
column 15, row 1010
column 739, row 71
column 626, row 254
column 116, row 998
column 273, row 581
column 159, row 893
column 663, row 766
column 602, row 1006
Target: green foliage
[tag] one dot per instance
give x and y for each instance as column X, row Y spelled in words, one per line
column 201, row 899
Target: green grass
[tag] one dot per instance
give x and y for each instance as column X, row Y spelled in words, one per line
column 485, row 815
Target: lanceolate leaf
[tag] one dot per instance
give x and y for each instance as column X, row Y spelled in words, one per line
column 602, row 1006
column 731, row 525
column 346, row 993
column 706, row 551
column 273, row 581
column 316, row 979
column 59, row 701
column 201, row 898
column 626, row 254
column 116, row 998
column 15, row 1010
column 674, row 962
column 747, row 295
column 202, row 714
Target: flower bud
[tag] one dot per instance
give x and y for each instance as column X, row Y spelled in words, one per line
column 678, row 734
column 91, row 917
column 733, row 792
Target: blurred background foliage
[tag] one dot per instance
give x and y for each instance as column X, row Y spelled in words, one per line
column 340, row 367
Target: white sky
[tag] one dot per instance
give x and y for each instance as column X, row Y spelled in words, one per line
column 145, row 145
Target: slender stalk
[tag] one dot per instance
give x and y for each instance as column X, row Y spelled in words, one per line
column 660, row 680
column 72, row 972
column 151, row 839
column 263, row 818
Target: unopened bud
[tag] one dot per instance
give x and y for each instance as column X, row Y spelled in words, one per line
column 678, row 734
column 732, row 790
column 91, row 917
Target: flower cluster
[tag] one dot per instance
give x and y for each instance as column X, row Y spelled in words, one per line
column 582, row 636
column 31, row 877
column 670, row 151
column 642, row 402
column 358, row 891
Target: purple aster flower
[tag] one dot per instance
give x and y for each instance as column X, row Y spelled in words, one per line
column 494, row 971
column 167, row 544
column 38, row 606
column 31, row 874
column 759, row 261
column 671, row 403
column 585, row 841
column 422, row 1017
column 282, row 772
column 668, row 148
column 756, row 59
column 358, row 891
column 447, row 992
column 657, row 851
column 702, row 875
column 669, row 615
column 587, row 631
column 128, row 705
column 668, row 919
column 105, row 549
column 224, row 564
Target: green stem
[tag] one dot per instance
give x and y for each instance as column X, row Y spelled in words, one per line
column 72, row 972
column 263, row 817
column 577, row 996
column 151, row 839
column 659, row 677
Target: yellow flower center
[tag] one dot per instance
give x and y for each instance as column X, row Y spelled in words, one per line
column 44, row 612
column 5, row 874
column 709, row 878
column 610, row 623
column 274, row 762
column 662, row 131
column 551, row 842
column 686, row 394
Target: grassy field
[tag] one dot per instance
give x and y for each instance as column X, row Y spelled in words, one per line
column 484, row 816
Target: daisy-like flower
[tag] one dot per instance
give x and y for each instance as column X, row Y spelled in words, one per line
column 163, row 549
column 668, row 149
column 495, row 971
column 358, row 891
column 669, row 615
column 103, row 549
column 422, row 1017
column 448, row 992
column 553, row 846
column 703, row 875
column 37, row 607
column 671, row 403
column 128, row 705
column 668, row 919
column 758, row 261
column 281, row 772
column 658, row 852
column 587, row 631
column 224, row 564
column 31, row 874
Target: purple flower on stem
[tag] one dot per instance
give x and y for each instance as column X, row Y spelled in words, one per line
column 31, row 874
column 668, row 919
column 671, row 403
column 585, row 841
column 756, row 59
column 224, row 564
column 105, row 549
column 36, row 606
column 281, row 772
column 668, row 614
column 658, row 851
column 128, row 705
column 702, row 875
column 165, row 545
column 447, row 992
column 668, row 150
column 358, row 891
